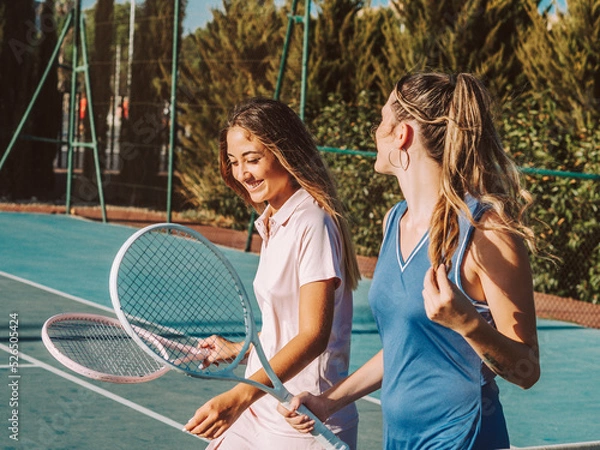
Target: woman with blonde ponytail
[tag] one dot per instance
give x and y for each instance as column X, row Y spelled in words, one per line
column 303, row 285
column 452, row 292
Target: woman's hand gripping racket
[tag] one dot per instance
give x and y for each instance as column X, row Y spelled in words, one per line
column 174, row 283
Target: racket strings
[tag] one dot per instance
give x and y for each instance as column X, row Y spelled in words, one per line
column 184, row 292
column 101, row 347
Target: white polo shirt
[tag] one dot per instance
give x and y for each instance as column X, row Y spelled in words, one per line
column 303, row 245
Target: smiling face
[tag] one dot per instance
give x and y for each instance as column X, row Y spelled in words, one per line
column 257, row 169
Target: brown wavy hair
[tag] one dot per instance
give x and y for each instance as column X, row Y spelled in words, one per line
column 283, row 133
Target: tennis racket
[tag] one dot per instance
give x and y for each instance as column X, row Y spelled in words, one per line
column 99, row 348
column 174, row 283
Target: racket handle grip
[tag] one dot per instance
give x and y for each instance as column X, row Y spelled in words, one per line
column 322, row 434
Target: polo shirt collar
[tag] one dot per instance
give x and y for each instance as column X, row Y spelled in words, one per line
column 281, row 216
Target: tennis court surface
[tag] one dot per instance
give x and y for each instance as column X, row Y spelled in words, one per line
column 51, row 264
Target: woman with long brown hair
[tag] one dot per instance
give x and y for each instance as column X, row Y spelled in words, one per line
column 304, row 282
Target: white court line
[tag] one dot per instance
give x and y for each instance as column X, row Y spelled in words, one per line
column 57, row 292
column 368, row 398
column 98, row 390
column 593, row 445
column 6, row 366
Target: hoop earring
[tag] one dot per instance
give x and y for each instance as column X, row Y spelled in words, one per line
column 402, row 165
column 392, row 163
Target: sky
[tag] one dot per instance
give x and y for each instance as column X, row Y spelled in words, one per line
column 199, row 11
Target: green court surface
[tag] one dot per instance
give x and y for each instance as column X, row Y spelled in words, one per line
column 52, row 263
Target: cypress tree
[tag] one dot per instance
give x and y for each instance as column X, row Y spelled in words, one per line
column 234, row 57
column 345, row 41
column 331, row 67
column 561, row 58
column 17, row 55
column 99, row 31
column 101, row 57
column 476, row 36
column 47, row 115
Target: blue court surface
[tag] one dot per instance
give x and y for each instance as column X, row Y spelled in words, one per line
column 51, row 264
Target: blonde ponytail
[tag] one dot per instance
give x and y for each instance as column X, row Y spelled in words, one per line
column 456, row 125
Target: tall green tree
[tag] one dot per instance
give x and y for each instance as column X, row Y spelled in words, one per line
column 100, row 48
column 345, row 40
column 19, row 46
column 234, row 57
column 101, row 61
column 47, row 115
column 476, row 36
column 560, row 56
column 238, row 55
column 2, row 22
column 331, row 71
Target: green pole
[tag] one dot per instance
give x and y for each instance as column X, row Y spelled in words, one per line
column 305, row 57
column 173, row 127
column 88, row 93
column 38, row 89
column 72, row 105
column 560, row 173
column 288, row 36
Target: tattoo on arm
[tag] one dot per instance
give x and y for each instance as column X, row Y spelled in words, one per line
column 493, row 364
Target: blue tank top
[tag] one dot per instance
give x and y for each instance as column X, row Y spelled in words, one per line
column 434, row 382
